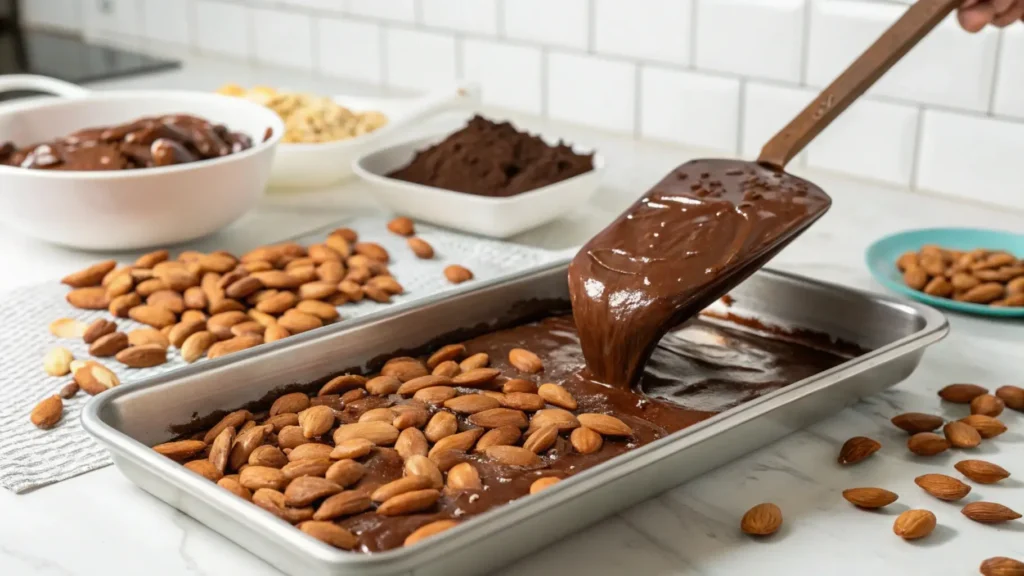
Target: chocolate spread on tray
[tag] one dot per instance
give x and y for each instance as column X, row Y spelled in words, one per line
column 700, row 231
column 144, row 143
column 493, row 159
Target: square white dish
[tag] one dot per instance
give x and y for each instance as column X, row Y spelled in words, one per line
column 483, row 215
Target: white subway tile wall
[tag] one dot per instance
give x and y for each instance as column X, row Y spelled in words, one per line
column 509, row 76
column 283, row 38
column 419, row 60
column 689, row 108
column 592, row 90
column 718, row 75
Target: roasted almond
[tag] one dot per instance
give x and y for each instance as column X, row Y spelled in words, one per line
column 232, row 485
column 418, row 465
column 428, row 530
column 195, row 346
column 380, row 433
column 322, row 310
column 310, row 450
column 987, row 426
column 399, row 487
column 90, row 276
column 995, row 566
column 987, row 405
column 762, row 520
column 463, row 476
column 220, row 448
column 497, row 417
column 943, row 487
column 342, row 504
column 441, row 425
column 330, row 533
column 525, row 361
column 915, row 422
column 461, row 441
column 57, row 361
column 376, row 293
column 457, row 274
column 109, row 344
column 476, row 377
column 98, row 329
column 436, row 395
column 269, row 456
column 478, row 360
column 121, row 305
column 405, row 370
column 280, row 421
column 981, row 471
column 513, row 456
column 205, row 469
column 154, row 316
column 856, row 449
column 306, row 467
column 143, row 356
column 345, row 472
column 421, row 248
column 869, row 497
column 180, row 450
column 273, row 501
column 352, row 448
column 1012, row 396
column 168, row 299
column 144, row 336
column 927, row 444
column 605, row 424
column 256, row 477
column 412, row 418
column 519, row 385
column 291, row 437
column 914, row 524
column 564, row 419
column 94, row 298
column 989, row 512
column 182, row 330
column 68, row 328
column 377, row 415
column 961, row 435
column 585, row 441
column 961, row 393
column 471, row 403
column 230, row 346
column 543, row 483
column 558, row 396
column 234, row 420
column 305, row 490
column 68, row 390
column 411, row 442
column 541, row 440
column 414, row 385
column 316, row 420
column 47, row 413
column 522, row 401
column 95, row 378
column 383, row 385
column 341, row 383
column 402, row 226
column 409, row 502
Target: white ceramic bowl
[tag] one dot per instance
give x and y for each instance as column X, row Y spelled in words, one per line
column 309, row 165
column 483, row 215
column 128, row 209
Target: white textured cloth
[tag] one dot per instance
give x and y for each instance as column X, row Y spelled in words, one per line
column 30, row 458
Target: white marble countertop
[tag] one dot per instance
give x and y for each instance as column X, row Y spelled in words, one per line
column 100, row 523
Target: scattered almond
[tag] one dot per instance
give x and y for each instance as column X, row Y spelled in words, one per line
column 915, row 422
column 869, row 497
column 48, row 412
column 513, row 456
column 961, row 435
column 402, row 226
column 421, row 248
column 914, row 524
column 987, row 405
column 762, row 520
column 525, row 361
column 1012, row 396
column 558, row 396
column 987, row 426
column 57, row 361
column 605, row 424
column 542, row 483
column 927, row 444
column 989, row 512
column 409, row 502
column 961, row 393
column 330, row 533
column 943, row 487
column 143, row 356
column 457, row 274
column 1002, row 566
column 68, row 328
column 428, row 530
column 981, row 471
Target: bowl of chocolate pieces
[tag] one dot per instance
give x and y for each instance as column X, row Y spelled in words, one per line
column 966, row 270
column 119, row 170
column 488, row 178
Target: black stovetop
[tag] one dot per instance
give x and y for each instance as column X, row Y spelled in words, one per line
column 70, row 58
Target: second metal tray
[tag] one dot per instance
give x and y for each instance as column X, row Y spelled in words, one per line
column 128, row 421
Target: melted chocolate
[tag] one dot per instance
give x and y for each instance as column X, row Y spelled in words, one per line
column 698, row 233
column 704, row 368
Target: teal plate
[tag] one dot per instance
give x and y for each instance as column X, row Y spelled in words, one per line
column 882, row 255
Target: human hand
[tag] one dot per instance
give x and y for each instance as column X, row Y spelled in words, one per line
column 976, row 14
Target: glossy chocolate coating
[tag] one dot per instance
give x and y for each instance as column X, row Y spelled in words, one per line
column 698, row 233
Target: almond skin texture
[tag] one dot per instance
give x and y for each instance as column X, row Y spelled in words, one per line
column 961, row 393
column 558, row 396
column 421, row 248
column 464, row 476
column 542, row 483
column 981, row 471
column 351, row 449
column 605, row 424
column 380, row 433
column 180, row 450
column 428, row 530
column 343, row 504
column 915, row 422
column 762, row 520
column 498, row 417
column 525, row 361
column 316, row 420
column 57, row 361
column 1002, row 566
column 943, row 487
column 987, row 426
column 585, row 441
column 960, row 435
column 869, row 497
column 304, row 490
column 856, row 449
column 987, row 405
column 541, row 440
column 155, row 316
column 1012, row 396
column 195, row 346
column 143, row 356
column 914, row 524
column 989, row 512
column 471, row 404
column 409, row 502
column 47, row 413
column 91, row 276
column 457, row 274
column 330, row 533
column 927, row 444
column 501, row 436
column 402, row 226
column 411, row 442
column 399, row 487
column 513, row 456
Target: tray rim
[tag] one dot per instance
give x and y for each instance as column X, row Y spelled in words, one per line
column 935, row 328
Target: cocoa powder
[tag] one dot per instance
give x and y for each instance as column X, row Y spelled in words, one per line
column 493, row 159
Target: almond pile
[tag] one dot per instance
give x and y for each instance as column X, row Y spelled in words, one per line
column 991, row 277
column 307, row 460
column 964, row 434
column 216, row 304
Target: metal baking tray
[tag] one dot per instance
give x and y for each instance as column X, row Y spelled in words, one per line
column 128, row 420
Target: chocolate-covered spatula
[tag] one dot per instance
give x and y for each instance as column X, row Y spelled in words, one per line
column 709, row 224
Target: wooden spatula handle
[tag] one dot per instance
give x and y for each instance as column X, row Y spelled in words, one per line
column 914, row 25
